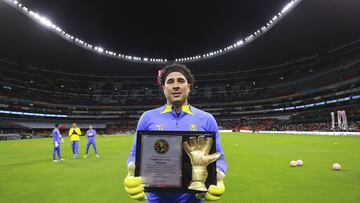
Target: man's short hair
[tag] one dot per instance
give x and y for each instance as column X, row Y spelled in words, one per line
column 56, row 125
column 175, row 67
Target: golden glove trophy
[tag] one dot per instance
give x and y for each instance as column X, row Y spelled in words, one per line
column 198, row 151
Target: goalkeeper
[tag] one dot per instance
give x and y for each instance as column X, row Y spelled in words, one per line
column 176, row 82
column 74, row 134
column 56, row 140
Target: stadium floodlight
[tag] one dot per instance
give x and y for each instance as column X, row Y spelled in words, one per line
column 287, row 7
column 47, row 23
column 100, row 50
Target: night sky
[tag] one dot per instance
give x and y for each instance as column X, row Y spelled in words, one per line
column 172, row 29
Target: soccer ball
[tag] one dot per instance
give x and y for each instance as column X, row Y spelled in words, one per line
column 293, row 163
column 299, row 162
column 336, row 166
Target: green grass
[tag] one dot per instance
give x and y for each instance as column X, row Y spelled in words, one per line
column 258, row 170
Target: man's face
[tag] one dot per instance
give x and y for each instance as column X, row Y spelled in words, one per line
column 74, row 125
column 176, row 89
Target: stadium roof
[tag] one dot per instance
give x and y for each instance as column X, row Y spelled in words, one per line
column 171, row 29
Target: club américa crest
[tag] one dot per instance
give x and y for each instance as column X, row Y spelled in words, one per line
column 161, row 146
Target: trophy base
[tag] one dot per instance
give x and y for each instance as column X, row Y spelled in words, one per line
column 198, row 186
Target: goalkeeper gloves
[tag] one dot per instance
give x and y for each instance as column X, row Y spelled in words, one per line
column 62, row 140
column 56, row 144
column 214, row 191
column 133, row 185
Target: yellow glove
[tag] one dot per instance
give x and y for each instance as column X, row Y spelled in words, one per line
column 198, row 151
column 133, row 185
column 215, row 191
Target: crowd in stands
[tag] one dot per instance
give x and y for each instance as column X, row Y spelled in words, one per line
column 305, row 76
column 121, row 128
column 317, row 120
column 279, row 125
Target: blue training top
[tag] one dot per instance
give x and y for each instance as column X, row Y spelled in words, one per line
column 90, row 133
column 56, row 135
column 189, row 119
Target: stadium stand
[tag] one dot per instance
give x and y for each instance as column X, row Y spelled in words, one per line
column 295, row 95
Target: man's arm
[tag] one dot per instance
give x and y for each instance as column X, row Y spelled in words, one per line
column 54, row 136
column 133, row 185
column 213, row 127
column 215, row 191
column 70, row 132
column 142, row 125
column 60, row 136
column 78, row 131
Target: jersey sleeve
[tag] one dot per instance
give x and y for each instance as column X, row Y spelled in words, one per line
column 142, row 125
column 213, row 127
column 54, row 136
column 78, row 131
column 58, row 132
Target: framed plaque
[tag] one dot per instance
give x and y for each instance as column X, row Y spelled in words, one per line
column 163, row 164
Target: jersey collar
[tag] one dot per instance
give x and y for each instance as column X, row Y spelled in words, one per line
column 185, row 108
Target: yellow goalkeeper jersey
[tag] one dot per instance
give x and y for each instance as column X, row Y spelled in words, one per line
column 74, row 134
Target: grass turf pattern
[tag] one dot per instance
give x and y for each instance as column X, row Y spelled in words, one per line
column 258, row 170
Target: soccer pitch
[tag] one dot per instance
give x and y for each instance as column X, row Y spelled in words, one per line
column 258, row 170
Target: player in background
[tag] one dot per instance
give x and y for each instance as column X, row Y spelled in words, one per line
column 74, row 134
column 90, row 134
column 56, row 141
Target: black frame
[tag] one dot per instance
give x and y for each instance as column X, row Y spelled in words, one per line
column 186, row 165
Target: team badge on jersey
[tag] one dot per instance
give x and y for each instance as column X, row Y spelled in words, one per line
column 161, row 146
column 193, row 127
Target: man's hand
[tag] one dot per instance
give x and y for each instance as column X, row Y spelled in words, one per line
column 56, row 144
column 62, row 140
column 133, row 185
column 198, row 151
column 215, row 191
